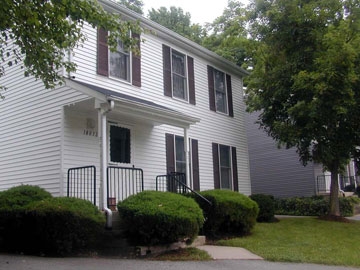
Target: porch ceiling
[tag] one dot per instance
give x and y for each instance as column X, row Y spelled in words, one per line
column 136, row 108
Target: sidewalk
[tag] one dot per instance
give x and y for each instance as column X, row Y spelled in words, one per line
column 229, row 253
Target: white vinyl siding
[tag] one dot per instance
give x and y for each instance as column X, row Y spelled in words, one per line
column 30, row 134
column 38, row 114
column 210, row 128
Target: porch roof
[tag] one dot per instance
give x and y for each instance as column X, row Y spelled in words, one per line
column 135, row 107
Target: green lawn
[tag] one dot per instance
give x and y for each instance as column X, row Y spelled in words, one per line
column 307, row 240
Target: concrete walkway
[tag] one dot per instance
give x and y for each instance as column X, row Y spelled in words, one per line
column 229, row 253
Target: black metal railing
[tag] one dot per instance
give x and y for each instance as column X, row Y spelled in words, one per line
column 176, row 182
column 123, row 182
column 81, row 183
column 346, row 183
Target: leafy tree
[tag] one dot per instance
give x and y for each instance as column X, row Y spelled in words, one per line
column 39, row 34
column 175, row 20
column 306, row 79
column 228, row 36
column 134, row 5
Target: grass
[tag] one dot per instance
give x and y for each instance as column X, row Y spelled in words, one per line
column 305, row 240
column 186, row 254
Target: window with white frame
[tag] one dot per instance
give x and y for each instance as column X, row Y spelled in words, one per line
column 180, row 162
column 220, row 91
column 225, row 167
column 179, row 79
column 119, row 63
column 119, row 144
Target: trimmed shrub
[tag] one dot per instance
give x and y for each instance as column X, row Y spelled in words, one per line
column 231, row 213
column 54, row 226
column 20, row 196
column 266, row 205
column 313, row 206
column 152, row 217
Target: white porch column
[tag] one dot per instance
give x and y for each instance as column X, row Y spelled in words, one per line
column 187, row 156
column 103, row 157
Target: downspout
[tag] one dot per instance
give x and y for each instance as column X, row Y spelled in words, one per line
column 103, row 163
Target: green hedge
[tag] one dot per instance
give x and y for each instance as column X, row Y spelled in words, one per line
column 266, row 205
column 152, row 217
column 20, row 196
column 313, row 206
column 231, row 213
column 54, row 226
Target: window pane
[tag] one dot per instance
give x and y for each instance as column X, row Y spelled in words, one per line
column 179, row 86
column 219, row 78
column 225, row 178
column 178, row 63
column 119, row 144
column 221, row 102
column 120, row 63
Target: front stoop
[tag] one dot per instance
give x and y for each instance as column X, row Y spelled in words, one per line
column 153, row 250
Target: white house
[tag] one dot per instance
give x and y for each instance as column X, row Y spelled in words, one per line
column 177, row 108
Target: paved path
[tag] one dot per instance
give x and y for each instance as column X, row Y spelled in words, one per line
column 39, row 263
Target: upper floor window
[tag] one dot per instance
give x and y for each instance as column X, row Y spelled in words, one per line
column 179, row 79
column 178, row 72
column 220, row 91
column 120, row 64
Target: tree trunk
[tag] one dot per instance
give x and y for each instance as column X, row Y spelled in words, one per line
column 334, row 195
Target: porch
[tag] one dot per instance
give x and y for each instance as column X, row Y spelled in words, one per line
column 121, row 136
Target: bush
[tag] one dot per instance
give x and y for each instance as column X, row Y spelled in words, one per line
column 231, row 213
column 152, row 217
column 313, row 206
column 266, row 207
column 54, row 226
column 20, row 196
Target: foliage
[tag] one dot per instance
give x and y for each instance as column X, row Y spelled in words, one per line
column 231, row 213
column 54, row 226
column 227, row 34
column 20, row 196
column 306, row 77
column 40, row 34
column 183, row 254
column 314, row 206
column 134, row 5
column 304, row 240
column 266, row 205
column 175, row 20
column 152, row 217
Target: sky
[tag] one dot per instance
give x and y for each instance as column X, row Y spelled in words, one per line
column 201, row 11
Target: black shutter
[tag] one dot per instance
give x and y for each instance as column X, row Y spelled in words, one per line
column 136, row 64
column 210, row 72
column 215, row 154
column 167, row 70
column 170, row 155
column 234, row 169
column 102, row 53
column 229, row 95
column 195, row 164
column 190, row 62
